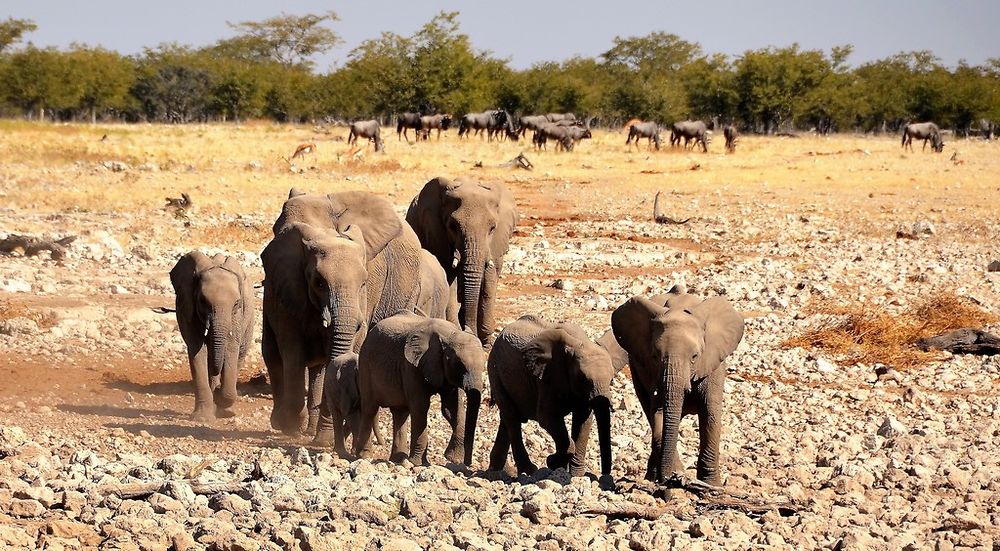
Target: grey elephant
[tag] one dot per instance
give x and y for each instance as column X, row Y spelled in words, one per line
column 405, row 360
column 544, row 371
column 676, row 344
column 467, row 226
column 341, row 399
column 215, row 313
column 337, row 264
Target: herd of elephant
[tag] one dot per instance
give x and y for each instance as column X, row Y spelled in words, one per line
column 364, row 309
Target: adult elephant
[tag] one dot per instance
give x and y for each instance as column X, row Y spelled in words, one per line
column 467, row 226
column 676, row 345
column 215, row 313
column 337, row 264
column 690, row 130
column 407, row 121
column 544, row 371
column 926, row 131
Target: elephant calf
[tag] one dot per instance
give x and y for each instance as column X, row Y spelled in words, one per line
column 544, row 371
column 215, row 312
column 404, row 360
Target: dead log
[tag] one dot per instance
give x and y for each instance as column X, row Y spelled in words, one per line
column 627, row 511
column 31, row 246
column 146, row 489
column 661, row 218
column 518, row 162
column 709, row 498
column 963, row 341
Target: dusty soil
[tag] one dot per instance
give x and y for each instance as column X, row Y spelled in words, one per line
column 94, row 386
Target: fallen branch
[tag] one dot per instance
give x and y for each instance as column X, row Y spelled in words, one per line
column 518, row 162
column 31, row 246
column 709, row 497
column 661, row 218
column 146, row 489
column 627, row 511
column 963, row 341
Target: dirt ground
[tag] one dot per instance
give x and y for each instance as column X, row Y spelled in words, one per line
column 775, row 227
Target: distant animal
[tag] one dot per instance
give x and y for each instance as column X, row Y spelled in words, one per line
column 303, row 150
column 475, row 123
column 502, row 126
column 690, row 130
column 530, row 122
column 676, row 346
column 181, row 203
column 556, row 117
column 435, row 122
column 104, row 137
column 366, row 129
column 731, row 135
column 407, row 121
column 630, row 123
column 649, row 130
column 215, row 315
column 566, row 137
column 544, row 371
column 926, row 131
column 406, row 359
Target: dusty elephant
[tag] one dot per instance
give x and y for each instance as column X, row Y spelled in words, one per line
column 467, row 226
column 215, row 313
column 676, row 344
column 544, row 371
column 337, row 264
column 405, row 360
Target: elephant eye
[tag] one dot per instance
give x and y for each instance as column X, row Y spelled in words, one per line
column 493, row 228
column 694, row 358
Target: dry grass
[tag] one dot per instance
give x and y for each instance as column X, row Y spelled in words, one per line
column 10, row 309
column 867, row 334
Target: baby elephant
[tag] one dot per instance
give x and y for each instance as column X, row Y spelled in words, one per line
column 341, row 398
column 404, row 360
column 215, row 312
column 544, row 371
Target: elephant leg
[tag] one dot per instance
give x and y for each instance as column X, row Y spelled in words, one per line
column 655, row 420
column 418, row 431
column 709, row 430
column 399, row 416
column 225, row 395
column 340, row 430
column 453, row 411
column 555, row 425
column 582, row 423
column 516, row 438
column 501, row 447
column 204, row 404
column 314, row 401
column 363, row 431
column 272, row 361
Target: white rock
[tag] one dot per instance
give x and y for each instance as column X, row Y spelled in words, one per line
column 891, row 427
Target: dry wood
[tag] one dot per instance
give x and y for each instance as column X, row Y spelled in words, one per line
column 146, row 489
column 661, row 218
column 31, row 246
column 518, row 162
column 963, row 341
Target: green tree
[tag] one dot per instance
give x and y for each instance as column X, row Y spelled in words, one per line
column 773, row 83
column 105, row 77
column 286, row 39
column 12, row 30
column 645, row 75
column 40, row 79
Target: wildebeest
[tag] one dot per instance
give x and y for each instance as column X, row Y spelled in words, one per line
column 501, row 126
column 435, row 122
column 731, row 135
column 405, row 121
column 649, row 130
column 530, row 122
column 923, row 131
column 564, row 136
column 491, row 122
column 556, row 117
column 690, row 130
column 366, row 129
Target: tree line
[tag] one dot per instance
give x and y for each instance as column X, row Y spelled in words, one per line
column 265, row 71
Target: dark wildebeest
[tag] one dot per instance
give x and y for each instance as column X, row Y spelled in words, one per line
column 434, row 122
column 556, row 117
column 474, row 121
column 366, row 129
column 649, row 130
column 501, row 126
column 530, row 122
column 731, row 135
column 923, row 131
column 405, row 121
column 564, row 136
column 690, row 130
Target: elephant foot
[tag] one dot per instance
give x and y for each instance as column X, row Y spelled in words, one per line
column 528, row 468
column 558, row 460
column 225, row 413
column 203, row 414
column 577, row 469
column 456, row 455
column 607, row 483
column 323, row 438
column 399, row 457
column 711, row 480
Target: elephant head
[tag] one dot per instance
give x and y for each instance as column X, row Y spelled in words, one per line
column 678, row 339
column 467, row 226
column 574, row 370
column 212, row 305
column 450, row 358
column 316, row 267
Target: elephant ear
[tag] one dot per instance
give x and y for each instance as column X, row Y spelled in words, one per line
column 233, row 266
column 356, row 234
column 284, row 269
column 183, row 277
column 418, row 343
column 631, row 325
column 619, row 357
column 723, row 331
column 507, row 219
column 372, row 214
column 545, row 354
column 425, row 217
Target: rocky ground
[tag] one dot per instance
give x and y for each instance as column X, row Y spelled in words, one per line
column 96, row 449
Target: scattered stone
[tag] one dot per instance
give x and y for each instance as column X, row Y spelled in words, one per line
column 891, row 427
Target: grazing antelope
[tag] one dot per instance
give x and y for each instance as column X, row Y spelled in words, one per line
column 303, row 150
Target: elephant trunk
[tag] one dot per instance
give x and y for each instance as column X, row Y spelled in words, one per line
column 470, row 283
column 473, row 397
column 602, row 415
column 676, row 383
column 223, row 351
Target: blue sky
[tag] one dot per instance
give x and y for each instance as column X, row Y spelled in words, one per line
column 526, row 32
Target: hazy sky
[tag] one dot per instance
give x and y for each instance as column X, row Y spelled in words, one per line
column 528, row 31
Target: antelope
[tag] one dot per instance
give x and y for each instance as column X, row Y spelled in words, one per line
column 303, row 150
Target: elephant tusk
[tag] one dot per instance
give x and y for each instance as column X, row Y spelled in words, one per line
column 456, row 259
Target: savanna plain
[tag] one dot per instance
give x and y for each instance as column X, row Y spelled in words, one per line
column 835, row 437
